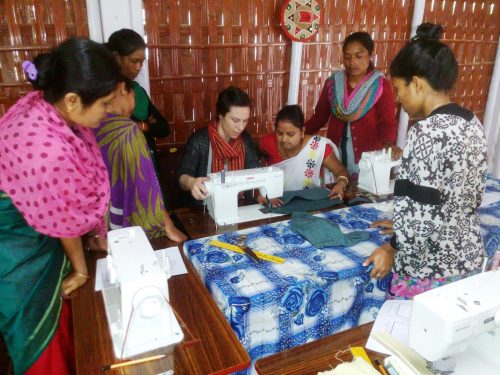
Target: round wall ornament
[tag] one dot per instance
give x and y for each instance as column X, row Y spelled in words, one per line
column 300, row 19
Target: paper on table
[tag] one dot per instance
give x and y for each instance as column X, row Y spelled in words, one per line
column 393, row 318
column 176, row 262
column 172, row 253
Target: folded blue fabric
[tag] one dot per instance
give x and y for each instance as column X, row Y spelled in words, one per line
column 305, row 200
column 321, row 232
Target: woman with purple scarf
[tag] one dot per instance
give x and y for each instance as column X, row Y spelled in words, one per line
column 136, row 197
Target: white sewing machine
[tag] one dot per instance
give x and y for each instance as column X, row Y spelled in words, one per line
column 460, row 322
column 139, row 315
column 375, row 170
column 224, row 188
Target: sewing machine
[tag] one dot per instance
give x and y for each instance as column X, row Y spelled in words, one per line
column 375, row 170
column 457, row 326
column 224, row 188
column 136, row 297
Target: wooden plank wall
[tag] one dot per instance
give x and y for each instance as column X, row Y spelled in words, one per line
column 30, row 27
column 472, row 30
column 197, row 48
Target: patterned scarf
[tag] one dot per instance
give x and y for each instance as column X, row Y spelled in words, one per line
column 352, row 107
column 53, row 174
column 233, row 152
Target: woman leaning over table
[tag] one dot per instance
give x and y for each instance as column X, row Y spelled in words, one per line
column 135, row 191
column 303, row 157
column 224, row 144
column 129, row 50
column 441, row 179
column 359, row 105
column 54, row 189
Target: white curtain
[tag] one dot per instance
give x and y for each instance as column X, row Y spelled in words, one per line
column 492, row 119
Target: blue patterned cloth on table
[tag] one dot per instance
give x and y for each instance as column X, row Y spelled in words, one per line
column 315, row 293
column 489, row 213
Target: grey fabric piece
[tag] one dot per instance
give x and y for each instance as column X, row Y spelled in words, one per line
column 321, row 232
column 305, row 200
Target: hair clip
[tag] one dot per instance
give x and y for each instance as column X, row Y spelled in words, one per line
column 30, row 69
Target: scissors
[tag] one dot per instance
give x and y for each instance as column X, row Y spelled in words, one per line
column 248, row 251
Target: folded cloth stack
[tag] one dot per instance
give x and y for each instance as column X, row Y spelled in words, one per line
column 321, row 232
column 305, row 200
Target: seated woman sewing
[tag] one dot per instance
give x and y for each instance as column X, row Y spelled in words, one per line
column 303, row 156
column 224, row 144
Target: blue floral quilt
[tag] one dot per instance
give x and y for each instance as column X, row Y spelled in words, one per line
column 316, row 292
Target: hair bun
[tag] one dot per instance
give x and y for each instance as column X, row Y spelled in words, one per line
column 43, row 63
column 428, row 31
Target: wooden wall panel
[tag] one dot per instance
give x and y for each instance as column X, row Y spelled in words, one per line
column 27, row 28
column 472, row 30
column 197, row 48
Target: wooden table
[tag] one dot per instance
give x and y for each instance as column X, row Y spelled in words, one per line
column 197, row 223
column 217, row 352
column 320, row 355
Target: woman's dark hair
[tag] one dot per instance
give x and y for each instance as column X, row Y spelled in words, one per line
column 426, row 57
column 125, row 42
column 361, row 37
column 291, row 113
column 231, row 97
column 77, row 65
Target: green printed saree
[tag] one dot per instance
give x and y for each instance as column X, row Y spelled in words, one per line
column 32, row 267
column 136, row 198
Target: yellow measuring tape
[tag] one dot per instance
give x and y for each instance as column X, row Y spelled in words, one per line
column 359, row 351
column 237, row 249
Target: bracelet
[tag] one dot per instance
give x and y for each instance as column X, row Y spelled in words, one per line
column 345, row 178
column 82, row 275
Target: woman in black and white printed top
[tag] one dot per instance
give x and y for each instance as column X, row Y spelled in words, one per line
column 437, row 236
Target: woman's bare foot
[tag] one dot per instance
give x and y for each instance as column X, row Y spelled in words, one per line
column 173, row 233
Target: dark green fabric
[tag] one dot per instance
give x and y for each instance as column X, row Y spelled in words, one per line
column 321, row 232
column 141, row 103
column 305, row 200
column 32, row 267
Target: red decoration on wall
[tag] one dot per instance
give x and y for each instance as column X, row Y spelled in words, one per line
column 300, row 19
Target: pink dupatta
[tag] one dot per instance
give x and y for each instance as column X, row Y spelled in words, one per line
column 54, row 174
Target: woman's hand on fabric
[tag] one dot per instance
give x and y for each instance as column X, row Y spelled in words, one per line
column 72, row 283
column 337, row 191
column 386, row 226
column 382, row 259
column 275, row 202
column 198, row 189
